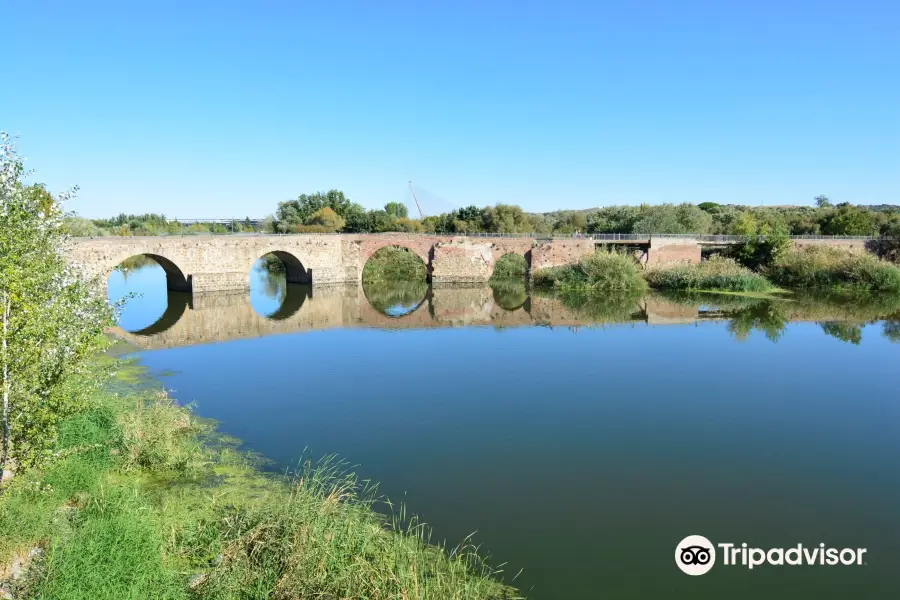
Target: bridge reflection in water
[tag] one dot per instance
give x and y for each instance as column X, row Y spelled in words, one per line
column 207, row 318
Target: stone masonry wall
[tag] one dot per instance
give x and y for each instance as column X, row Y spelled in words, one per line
column 559, row 252
column 461, row 261
column 667, row 251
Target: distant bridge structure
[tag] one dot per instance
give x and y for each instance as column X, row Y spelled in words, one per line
column 209, row 262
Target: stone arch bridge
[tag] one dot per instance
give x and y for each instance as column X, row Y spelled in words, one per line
column 223, row 263
column 207, row 263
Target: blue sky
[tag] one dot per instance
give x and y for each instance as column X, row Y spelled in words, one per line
column 223, row 109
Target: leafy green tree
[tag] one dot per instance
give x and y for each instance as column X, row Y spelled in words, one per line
column 708, row 206
column 81, row 227
column 327, row 218
column 380, row 221
column 51, row 321
column 297, row 212
column 823, row 202
column 408, row 225
column 847, row 219
column 613, row 219
column 356, row 219
column 505, row 218
column 397, row 210
column 761, row 248
column 669, row 218
column 570, row 222
column 540, row 224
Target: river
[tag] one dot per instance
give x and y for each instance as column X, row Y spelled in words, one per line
column 581, row 439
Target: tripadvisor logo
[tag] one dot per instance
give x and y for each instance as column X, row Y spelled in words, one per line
column 696, row 555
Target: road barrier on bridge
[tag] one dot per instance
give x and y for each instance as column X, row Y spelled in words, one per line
column 233, row 226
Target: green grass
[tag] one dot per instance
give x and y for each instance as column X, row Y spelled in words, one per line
column 138, row 507
column 602, row 271
column 715, row 274
column 826, row 267
column 394, row 263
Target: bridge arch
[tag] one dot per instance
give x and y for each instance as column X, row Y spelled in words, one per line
column 279, row 284
column 294, row 268
column 421, row 246
column 176, row 280
column 176, row 305
column 511, row 265
column 395, row 263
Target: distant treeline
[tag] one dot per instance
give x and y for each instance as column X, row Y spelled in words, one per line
column 332, row 211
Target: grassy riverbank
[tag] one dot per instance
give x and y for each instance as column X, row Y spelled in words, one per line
column 146, row 501
column 834, row 268
column 814, row 268
column 717, row 273
column 602, row 271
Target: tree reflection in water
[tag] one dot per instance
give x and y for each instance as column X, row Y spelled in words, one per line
column 396, row 299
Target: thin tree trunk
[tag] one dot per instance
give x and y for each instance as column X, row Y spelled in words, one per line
column 6, row 430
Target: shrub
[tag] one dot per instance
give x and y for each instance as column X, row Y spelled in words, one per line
column 160, row 436
column 510, row 266
column 824, row 266
column 761, row 251
column 716, row 273
column 602, row 271
column 394, row 263
column 328, row 219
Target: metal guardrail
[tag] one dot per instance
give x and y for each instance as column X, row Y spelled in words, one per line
column 233, row 226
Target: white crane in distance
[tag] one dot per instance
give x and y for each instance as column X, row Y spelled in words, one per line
column 413, row 190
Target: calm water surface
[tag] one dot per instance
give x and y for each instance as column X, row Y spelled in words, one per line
column 580, row 454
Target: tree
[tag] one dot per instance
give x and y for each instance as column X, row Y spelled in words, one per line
column 669, row 218
column 396, row 210
column 356, row 219
column 762, row 247
column 327, row 218
column 847, row 219
column 380, row 221
column 823, row 202
column 297, row 212
column 505, row 218
column 52, row 321
column 613, row 219
column 570, row 222
column 408, row 225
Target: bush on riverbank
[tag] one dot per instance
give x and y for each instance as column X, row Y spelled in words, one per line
column 826, row 267
column 394, row 263
column 137, row 507
column 716, row 273
column 601, row 271
column 510, row 266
